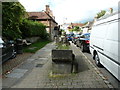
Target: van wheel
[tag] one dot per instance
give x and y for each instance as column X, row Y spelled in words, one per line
column 97, row 60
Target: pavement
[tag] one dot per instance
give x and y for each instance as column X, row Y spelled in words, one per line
column 35, row 72
column 15, row 62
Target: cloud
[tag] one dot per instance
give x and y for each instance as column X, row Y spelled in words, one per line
column 73, row 10
column 30, row 5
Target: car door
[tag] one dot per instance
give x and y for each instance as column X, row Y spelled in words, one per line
column 7, row 51
column 1, row 53
column 81, row 40
column 4, row 52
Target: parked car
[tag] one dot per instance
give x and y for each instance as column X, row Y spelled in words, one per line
column 83, row 42
column 7, row 50
column 69, row 37
column 75, row 37
column 104, row 43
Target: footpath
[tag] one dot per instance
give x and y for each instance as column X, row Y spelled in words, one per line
column 35, row 72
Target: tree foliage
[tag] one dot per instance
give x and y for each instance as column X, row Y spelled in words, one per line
column 100, row 14
column 85, row 23
column 16, row 26
column 12, row 14
column 76, row 28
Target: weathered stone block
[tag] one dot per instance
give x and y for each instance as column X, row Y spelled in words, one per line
column 61, row 68
column 63, row 62
column 62, row 55
column 32, row 39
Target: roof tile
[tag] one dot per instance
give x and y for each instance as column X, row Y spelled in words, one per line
column 38, row 15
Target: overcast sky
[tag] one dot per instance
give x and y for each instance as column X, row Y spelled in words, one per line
column 71, row 10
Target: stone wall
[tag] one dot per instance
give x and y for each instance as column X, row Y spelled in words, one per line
column 33, row 39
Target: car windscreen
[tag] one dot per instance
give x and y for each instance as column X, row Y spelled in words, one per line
column 87, row 35
column 77, row 35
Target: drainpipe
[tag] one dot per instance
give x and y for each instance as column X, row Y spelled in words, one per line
column 50, row 30
column 49, row 24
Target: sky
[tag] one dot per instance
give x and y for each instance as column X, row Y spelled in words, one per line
column 67, row 11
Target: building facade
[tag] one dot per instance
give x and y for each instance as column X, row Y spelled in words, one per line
column 87, row 28
column 46, row 17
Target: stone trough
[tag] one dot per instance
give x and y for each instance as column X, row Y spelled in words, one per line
column 63, row 62
column 62, row 55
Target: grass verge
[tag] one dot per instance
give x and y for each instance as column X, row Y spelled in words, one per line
column 35, row 46
column 62, row 46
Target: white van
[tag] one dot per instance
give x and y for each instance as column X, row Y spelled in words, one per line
column 105, row 43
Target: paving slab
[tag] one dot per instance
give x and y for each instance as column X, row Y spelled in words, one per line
column 17, row 73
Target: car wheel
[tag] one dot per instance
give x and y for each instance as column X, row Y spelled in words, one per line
column 14, row 54
column 74, row 42
column 82, row 48
column 77, row 45
column 97, row 60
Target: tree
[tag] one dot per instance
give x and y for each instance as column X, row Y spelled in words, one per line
column 100, row 14
column 12, row 15
column 85, row 23
column 76, row 28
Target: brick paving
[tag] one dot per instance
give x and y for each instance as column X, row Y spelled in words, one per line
column 41, row 77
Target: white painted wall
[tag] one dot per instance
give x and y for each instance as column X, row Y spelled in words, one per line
column 85, row 30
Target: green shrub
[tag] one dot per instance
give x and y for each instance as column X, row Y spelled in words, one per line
column 12, row 14
column 100, row 14
column 33, row 28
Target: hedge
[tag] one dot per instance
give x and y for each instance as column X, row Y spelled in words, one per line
column 33, row 28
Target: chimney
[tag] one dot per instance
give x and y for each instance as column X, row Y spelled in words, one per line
column 47, row 9
column 111, row 10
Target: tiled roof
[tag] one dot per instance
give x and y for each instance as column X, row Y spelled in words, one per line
column 77, row 24
column 38, row 15
column 89, row 24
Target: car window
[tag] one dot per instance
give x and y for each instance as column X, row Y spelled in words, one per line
column 87, row 35
column 82, row 36
column 77, row 36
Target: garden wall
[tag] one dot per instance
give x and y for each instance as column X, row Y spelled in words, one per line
column 33, row 39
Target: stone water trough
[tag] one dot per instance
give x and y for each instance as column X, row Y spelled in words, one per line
column 63, row 62
column 62, row 55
